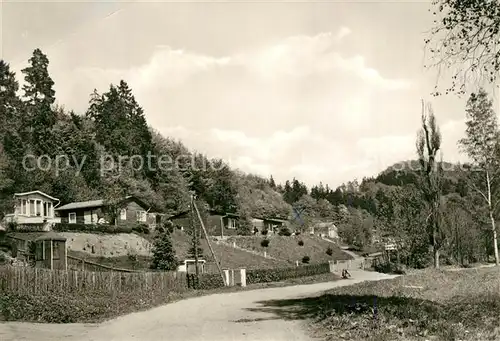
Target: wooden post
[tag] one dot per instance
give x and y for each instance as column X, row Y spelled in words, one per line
column 208, row 241
column 51, row 254
column 195, row 243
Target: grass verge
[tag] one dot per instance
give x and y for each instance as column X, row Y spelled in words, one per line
column 97, row 307
column 432, row 305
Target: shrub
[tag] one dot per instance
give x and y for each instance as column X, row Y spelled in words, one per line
column 306, row 259
column 390, row 268
column 206, row 281
column 265, row 232
column 301, row 243
column 329, row 251
column 297, row 233
column 12, row 226
column 141, row 228
column 285, row 232
column 264, row 243
column 281, row 274
column 63, row 227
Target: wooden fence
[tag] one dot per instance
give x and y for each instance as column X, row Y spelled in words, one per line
column 79, row 264
column 27, row 280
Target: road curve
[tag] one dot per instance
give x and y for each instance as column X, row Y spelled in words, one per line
column 220, row 317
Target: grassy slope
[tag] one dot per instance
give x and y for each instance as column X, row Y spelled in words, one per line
column 226, row 255
column 462, row 305
column 287, row 248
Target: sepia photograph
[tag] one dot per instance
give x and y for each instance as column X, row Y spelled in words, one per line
column 287, row 170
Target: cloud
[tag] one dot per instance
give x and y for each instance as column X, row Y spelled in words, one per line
column 300, row 107
column 298, row 56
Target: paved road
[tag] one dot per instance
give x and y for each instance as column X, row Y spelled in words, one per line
column 219, row 317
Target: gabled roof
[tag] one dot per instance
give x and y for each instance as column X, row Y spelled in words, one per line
column 81, row 204
column 35, row 192
column 94, row 204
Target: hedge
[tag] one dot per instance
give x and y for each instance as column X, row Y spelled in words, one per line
column 207, row 281
column 278, row 275
column 63, row 227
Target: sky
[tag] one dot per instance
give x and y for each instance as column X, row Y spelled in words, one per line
column 320, row 91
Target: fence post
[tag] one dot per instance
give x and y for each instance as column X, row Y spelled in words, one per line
column 226, row 275
column 243, row 277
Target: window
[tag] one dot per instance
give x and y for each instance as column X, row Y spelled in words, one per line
column 38, row 207
column 72, row 218
column 45, row 209
column 123, row 214
column 231, row 223
column 32, row 207
column 141, row 216
column 55, row 249
column 24, row 207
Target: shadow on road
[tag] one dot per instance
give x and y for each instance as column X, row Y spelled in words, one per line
column 330, row 304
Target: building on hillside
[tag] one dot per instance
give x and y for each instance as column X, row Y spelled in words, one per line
column 269, row 224
column 326, row 229
column 50, row 249
column 258, row 225
column 33, row 210
column 189, row 266
column 216, row 223
column 131, row 211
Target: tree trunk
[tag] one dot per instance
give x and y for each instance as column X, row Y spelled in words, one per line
column 436, row 257
column 495, row 238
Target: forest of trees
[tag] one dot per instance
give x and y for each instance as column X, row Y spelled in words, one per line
column 390, row 204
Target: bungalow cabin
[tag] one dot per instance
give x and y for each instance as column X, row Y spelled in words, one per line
column 272, row 225
column 33, row 209
column 216, row 223
column 50, row 248
column 131, row 210
column 327, row 230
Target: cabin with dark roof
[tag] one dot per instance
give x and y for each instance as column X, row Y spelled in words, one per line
column 131, row 210
column 216, row 223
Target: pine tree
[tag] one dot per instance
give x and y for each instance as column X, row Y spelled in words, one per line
column 39, row 96
column 272, row 184
column 164, row 257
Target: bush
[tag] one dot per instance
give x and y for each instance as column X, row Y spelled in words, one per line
column 141, row 228
column 329, row 251
column 301, row 243
column 264, row 243
column 63, row 227
column 390, row 268
column 306, row 259
column 285, row 232
column 265, row 232
column 12, row 226
column 207, row 281
column 277, row 275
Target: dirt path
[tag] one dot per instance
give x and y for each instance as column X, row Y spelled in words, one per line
column 220, row 317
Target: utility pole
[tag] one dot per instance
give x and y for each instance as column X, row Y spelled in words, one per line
column 209, row 245
column 195, row 242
